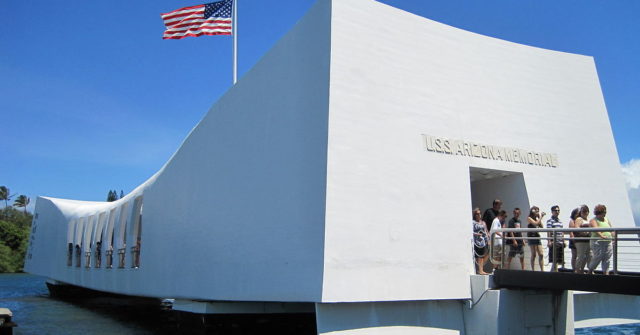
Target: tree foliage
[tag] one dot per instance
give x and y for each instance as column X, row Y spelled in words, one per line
column 5, row 195
column 22, row 201
column 15, row 226
column 112, row 196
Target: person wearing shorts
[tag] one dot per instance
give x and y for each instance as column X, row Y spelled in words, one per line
column 535, row 221
column 514, row 240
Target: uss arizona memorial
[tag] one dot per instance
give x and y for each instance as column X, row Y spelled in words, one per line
column 338, row 176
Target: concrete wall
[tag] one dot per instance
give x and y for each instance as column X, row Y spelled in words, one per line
column 246, row 189
column 600, row 309
column 398, row 216
column 511, row 188
column 238, row 211
column 408, row 317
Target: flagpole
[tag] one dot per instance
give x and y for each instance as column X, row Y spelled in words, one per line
column 235, row 41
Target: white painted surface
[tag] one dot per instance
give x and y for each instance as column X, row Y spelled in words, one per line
column 308, row 180
column 398, row 217
column 238, row 211
column 600, row 309
column 407, row 317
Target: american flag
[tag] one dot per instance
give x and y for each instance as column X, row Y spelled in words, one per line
column 208, row 19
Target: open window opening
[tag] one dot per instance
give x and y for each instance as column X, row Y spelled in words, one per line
column 99, row 233
column 121, row 242
column 87, row 240
column 77, row 240
column 109, row 234
column 71, row 229
column 508, row 186
column 137, row 232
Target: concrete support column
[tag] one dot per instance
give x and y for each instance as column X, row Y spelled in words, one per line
column 398, row 317
column 506, row 311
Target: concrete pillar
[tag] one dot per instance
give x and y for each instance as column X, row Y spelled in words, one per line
column 517, row 311
column 397, row 317
column 489, row 312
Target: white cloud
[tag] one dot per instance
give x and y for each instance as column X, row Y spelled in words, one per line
column 631, row 172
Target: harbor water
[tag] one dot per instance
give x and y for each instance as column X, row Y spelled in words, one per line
column 36, row 313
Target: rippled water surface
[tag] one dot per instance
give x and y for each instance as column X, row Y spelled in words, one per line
column 37, row 314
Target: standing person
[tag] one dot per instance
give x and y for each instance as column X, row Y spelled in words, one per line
column 514, row 239
column 572, row 245
column 556, row 249
column 480, row 241
column 601, row 246
column 491, row 213
column 535, row 221
column 496, row 250
column 583, row 249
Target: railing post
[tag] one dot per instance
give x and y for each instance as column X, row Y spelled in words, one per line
column 554, row 267
column 492, row 251
column 615, row 253
column 504, row 246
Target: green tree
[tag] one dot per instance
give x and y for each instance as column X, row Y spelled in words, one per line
column 5, row 195
column 22, row 201
column 14, row 237
column 7, row 263
column 112, row 196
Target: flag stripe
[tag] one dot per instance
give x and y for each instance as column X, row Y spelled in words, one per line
column 207, row 26
column 183, row 10
column 201, row 22
column 221, row 29
column 174, row 18
column 197, row 31
column 188, row 20
column 193, row 35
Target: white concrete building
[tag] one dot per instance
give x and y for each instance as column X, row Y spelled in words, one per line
column 341, row 172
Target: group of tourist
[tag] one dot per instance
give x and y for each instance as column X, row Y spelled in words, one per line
column 588, row 249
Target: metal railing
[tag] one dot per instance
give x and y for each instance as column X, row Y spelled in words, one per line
column 625, row 244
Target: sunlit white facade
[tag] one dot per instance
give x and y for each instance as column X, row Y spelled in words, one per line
column 343, row 168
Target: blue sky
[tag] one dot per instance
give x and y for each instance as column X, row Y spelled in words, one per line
column 92, row 98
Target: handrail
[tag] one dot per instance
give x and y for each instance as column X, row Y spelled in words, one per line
column 552, row 236
column 569, row 230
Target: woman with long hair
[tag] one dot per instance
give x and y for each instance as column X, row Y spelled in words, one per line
column 583, row 250
column 535, row 221
column 480, row 240
column 572, row 224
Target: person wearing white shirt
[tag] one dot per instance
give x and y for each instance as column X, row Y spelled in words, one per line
column 497, row 223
